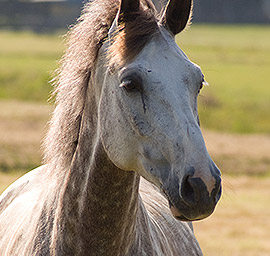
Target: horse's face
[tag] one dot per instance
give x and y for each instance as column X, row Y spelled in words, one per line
column 149, row 124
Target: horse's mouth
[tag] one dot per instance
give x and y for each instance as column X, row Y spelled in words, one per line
column 176, row 213
column 179, row 216
column 183, row 211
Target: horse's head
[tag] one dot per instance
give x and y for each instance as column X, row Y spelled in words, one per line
column 148, row 108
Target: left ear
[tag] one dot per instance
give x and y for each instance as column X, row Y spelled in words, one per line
column 126, row 7
column 176, row 15
column 129, row 6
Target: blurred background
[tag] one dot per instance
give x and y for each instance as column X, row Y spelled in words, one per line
column 229, row 39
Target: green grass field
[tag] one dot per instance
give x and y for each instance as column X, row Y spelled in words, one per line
column 236, row 63
column 27, row 63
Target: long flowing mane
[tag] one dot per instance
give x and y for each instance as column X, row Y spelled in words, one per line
column 83, row 43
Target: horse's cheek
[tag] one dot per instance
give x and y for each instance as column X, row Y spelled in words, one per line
column 117, row 138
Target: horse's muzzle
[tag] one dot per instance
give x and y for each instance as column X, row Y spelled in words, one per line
column 191, row 199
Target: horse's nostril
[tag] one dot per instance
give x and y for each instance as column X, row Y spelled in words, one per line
column 198, row 195
column 188, row 191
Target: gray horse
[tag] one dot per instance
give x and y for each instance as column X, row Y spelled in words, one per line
column 126, row 168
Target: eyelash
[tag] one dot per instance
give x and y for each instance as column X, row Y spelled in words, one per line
column 203, row 83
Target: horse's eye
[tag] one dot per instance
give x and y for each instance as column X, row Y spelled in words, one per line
column 131, row 84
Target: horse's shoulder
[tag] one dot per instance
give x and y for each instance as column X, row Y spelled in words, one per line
column 20, row 205
column 19, row 187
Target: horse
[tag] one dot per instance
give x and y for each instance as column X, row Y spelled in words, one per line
column 125, row 169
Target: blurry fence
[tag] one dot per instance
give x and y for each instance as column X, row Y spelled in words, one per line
column 232, row 11
column 42, row 15
column 38, row 16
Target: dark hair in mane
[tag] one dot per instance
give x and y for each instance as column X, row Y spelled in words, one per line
column 134, row 32
column 83, row 44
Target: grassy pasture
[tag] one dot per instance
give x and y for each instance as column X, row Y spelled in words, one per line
column 27, row 62
column 236, row 63
column 22, row 128
column 239, row 225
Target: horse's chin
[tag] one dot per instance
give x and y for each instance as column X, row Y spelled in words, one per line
column 179, row 216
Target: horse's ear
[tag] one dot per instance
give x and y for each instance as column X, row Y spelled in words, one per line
column 176, row 15
column 128, row 6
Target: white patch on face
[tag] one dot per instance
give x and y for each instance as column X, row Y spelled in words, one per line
column 207, row 178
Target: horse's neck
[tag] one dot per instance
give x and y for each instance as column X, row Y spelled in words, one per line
column 99, row 204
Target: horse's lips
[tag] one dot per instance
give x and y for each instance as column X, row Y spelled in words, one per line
column 176, row 213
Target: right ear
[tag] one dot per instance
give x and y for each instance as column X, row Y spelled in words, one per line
column 176, row 15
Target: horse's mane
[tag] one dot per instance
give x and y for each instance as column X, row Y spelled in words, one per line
column 83, row 43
